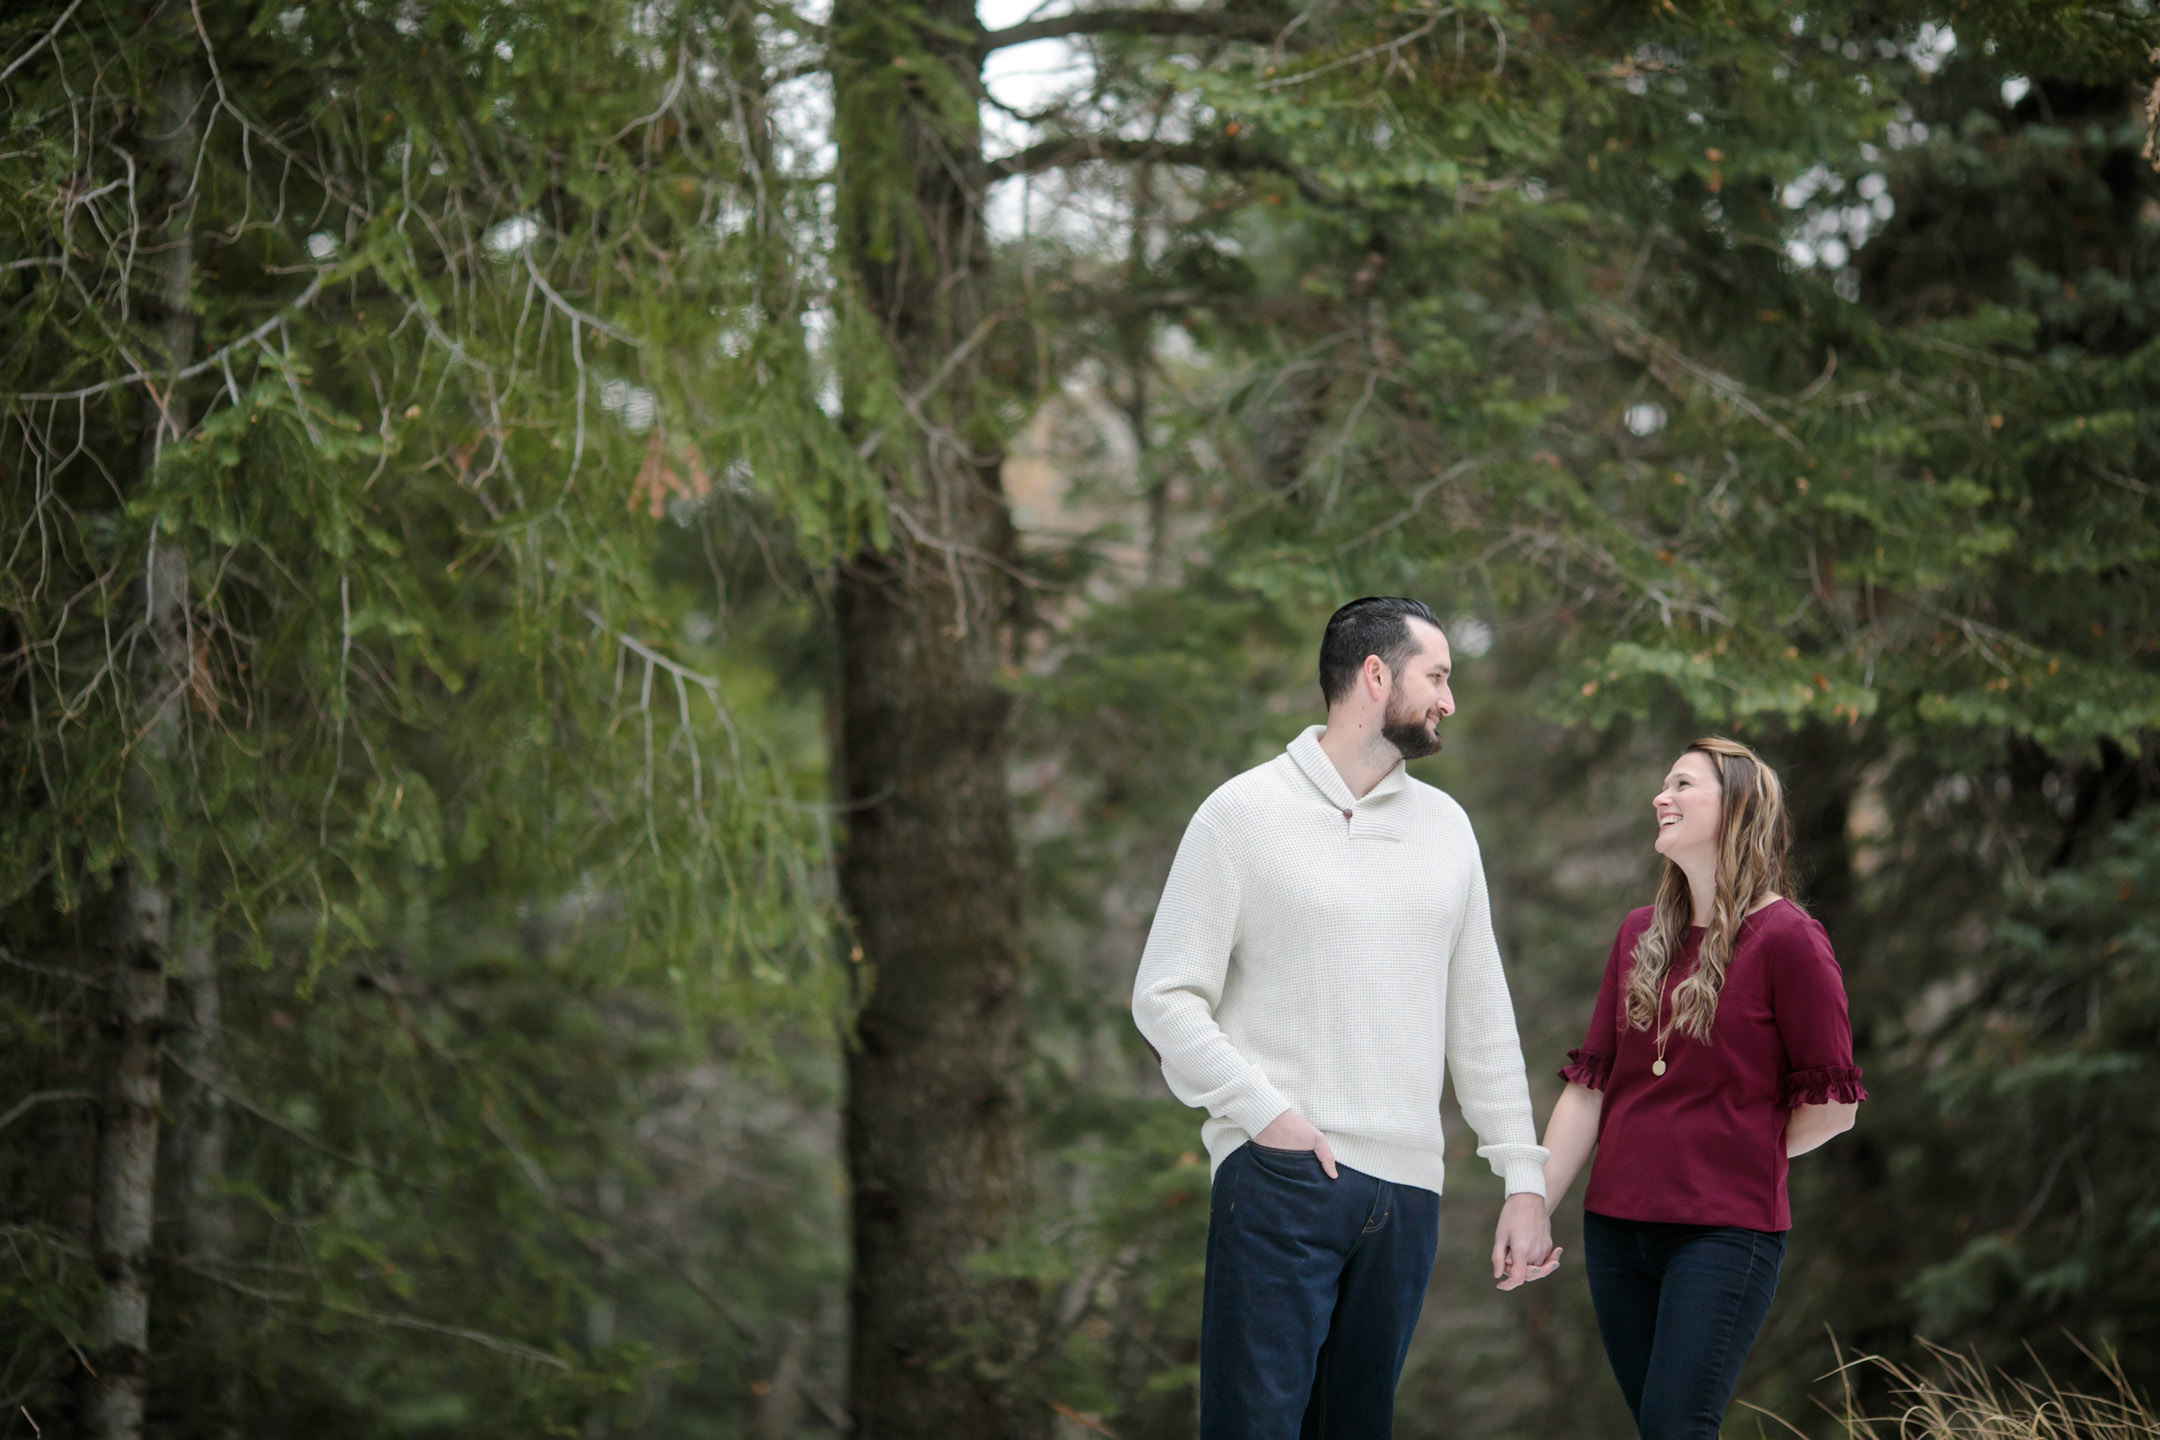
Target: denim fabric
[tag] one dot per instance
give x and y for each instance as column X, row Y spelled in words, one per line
column 1313, row 1289
column 1679, row 1307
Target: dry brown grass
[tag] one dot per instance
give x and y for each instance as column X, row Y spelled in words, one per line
column 1959, row 1398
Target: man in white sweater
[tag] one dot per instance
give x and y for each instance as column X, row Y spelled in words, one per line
column 1322, row 952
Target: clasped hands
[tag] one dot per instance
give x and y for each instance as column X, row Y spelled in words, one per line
column 1522, row 1242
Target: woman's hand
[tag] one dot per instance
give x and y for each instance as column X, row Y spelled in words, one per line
column 1807, row 1128
column 1522, row 1248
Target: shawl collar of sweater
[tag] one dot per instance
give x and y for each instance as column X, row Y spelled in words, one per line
column 1380, row 813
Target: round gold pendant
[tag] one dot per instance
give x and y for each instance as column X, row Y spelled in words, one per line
column 1657, row 1067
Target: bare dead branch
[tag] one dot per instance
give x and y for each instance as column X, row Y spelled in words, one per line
column 1202, row 155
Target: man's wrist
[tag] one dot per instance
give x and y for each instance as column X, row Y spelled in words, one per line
column 1266, row 1110
column 1526, row 1178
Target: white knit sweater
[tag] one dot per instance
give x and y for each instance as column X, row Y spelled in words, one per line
column 1332, row 956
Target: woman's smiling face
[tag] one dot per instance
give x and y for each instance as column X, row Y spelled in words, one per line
column 1687, row 808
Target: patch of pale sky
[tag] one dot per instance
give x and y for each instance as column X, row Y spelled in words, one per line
column 1027, row 78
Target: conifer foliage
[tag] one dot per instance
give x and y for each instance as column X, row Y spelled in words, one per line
column 371, row 852
column 413, row 861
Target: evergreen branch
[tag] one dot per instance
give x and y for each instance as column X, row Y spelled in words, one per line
column 275, row 1123
column 958, row 353
column 42, row 41
column 684, row 677
column 1983, row 639
column 250, row 130
column 960, row 550
column 217, row 357
column 482, row 1338
column 1416, row 503
column 1225, row 24
column 36, row 1098
column 1663, row 353
column 913, row 400
column 650, row 656
column 701, row 1284
column 51, row 972
column 1205, row 155
column 667, row 96
column 47, row 1238
column 1391, row 48
column 554, row 297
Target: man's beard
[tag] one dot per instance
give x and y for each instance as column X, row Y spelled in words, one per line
column 1407, row 731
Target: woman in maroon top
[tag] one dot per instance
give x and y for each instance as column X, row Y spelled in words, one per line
column 1719, row 1048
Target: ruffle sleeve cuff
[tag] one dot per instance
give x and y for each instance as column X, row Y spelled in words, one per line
column 1591, row 1070
column 1830, row 1085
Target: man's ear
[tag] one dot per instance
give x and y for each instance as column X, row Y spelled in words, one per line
column 1375, row 675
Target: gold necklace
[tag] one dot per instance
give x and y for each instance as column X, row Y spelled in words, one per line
column 1657, row 1066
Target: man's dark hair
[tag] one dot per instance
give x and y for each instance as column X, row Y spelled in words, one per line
column 1376, row 625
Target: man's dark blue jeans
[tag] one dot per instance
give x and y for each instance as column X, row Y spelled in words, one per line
column 1313, row 1289
column 1679, row 1307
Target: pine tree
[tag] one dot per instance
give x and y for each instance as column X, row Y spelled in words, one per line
column 344, row 381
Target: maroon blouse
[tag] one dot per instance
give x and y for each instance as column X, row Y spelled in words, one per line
column 1704, row 1144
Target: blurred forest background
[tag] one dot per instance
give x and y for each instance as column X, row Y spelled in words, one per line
column 612, row 613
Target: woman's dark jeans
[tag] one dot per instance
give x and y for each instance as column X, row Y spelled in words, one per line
column 1313, row 1288
column 1679, row 1307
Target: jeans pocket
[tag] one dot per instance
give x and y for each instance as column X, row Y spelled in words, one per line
column 1295, row 1165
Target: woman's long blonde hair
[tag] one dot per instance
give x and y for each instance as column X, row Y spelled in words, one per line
column 1754, row 834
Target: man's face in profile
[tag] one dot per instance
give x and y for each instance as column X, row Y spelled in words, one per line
column 1420, row 698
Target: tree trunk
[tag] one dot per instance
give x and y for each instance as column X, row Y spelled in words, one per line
column 202, row 1227
column 1136, row 342
column 935, row 1119
column 123, row 1204
column 196, row 1221
column 124, row 1187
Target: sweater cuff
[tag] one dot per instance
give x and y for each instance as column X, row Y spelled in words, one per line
column 1256, row 1107
column 1525, row 1177
column 1587, row 1068
column 1828, row 1085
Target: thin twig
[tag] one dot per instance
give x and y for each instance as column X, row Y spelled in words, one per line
column 42, row 41
column 376, row 1317
column 216, row 357
column 275, row 1123
column 1389, row 47
column 1731, row 391
column 36, row 1098
column 51, row 972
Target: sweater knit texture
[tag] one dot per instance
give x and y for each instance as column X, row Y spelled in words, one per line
column 1335, row 955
